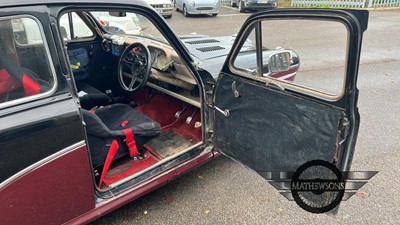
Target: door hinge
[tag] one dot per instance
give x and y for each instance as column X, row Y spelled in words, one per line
column 209, row 89
column 344, row 129
column 343, row 132
column 211, row 134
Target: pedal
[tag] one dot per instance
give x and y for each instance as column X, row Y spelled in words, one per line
column 189, row 119
column 197, row 124
column 179, row 113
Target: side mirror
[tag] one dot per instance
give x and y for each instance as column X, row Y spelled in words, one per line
column 279, row 62
column 282, row 63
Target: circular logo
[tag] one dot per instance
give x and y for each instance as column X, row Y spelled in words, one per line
column 317, row 186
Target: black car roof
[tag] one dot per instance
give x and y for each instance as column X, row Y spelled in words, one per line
column 8, row 3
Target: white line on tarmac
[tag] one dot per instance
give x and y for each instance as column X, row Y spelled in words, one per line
column 233, row 15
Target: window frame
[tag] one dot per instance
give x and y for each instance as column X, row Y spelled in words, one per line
column 52, row 71
column 283, row 85
column 71, row 22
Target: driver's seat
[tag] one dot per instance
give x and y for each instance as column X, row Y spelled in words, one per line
column 89, row 96
column 117, row 128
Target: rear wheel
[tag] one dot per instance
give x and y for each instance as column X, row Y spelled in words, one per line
column 185, row 12
column 233, row 4
column 214, row 14
column 241, row 7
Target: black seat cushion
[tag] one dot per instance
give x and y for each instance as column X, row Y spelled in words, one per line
column 93, row 96
column 107, row 124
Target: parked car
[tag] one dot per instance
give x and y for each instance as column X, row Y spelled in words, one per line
column 164, row 7
column 253, row 5
column 197, row 7
column 90, row 123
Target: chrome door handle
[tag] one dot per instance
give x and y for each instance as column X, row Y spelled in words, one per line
column 224, row 112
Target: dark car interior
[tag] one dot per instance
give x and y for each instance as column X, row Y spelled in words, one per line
column 138, row 112
column 139, row 101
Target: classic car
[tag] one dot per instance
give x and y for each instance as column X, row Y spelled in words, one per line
column 91, row 122
column 164, row 7
column 253, row 5
column 197, row 7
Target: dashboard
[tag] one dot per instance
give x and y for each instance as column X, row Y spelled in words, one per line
column 164, row 60
column 167, row 66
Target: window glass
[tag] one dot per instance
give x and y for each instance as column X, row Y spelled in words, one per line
column 129, row 23
column 24, row 63
column 290, row 54
column 247, row 57
column 25, row 32
column 77, row 28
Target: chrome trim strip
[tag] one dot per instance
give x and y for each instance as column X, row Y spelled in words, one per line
column 50, row 61
column 41, row 162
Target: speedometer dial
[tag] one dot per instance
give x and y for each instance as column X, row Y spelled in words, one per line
column 153, row 56
column 161, row 61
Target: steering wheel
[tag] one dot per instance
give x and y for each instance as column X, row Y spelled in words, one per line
column 134, row 65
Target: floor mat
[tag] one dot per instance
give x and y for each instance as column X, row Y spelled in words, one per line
column 168, row 143
column 162, row 108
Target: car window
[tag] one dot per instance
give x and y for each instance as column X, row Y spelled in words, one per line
column 25, row 68
column 129, row 24
column 25, row 32
column 295, row 59
column 247, row 57
column 73, row 27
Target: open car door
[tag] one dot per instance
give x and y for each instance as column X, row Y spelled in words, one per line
column 287, row 93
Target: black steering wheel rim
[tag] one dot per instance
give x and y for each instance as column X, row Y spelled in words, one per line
column 135, row 57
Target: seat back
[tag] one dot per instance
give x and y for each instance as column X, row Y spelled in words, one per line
column 31, row 82
column 95, row 126
column 79, row 60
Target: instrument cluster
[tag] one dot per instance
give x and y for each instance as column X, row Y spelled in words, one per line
column 159, row 59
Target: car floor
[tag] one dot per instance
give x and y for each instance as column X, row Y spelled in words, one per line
column 177, row 135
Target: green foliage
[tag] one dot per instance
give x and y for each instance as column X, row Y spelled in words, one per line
column 285, row 4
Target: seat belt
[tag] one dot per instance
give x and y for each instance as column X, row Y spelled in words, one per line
column 130, row 142
column 110, row 156
column 112, row 151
